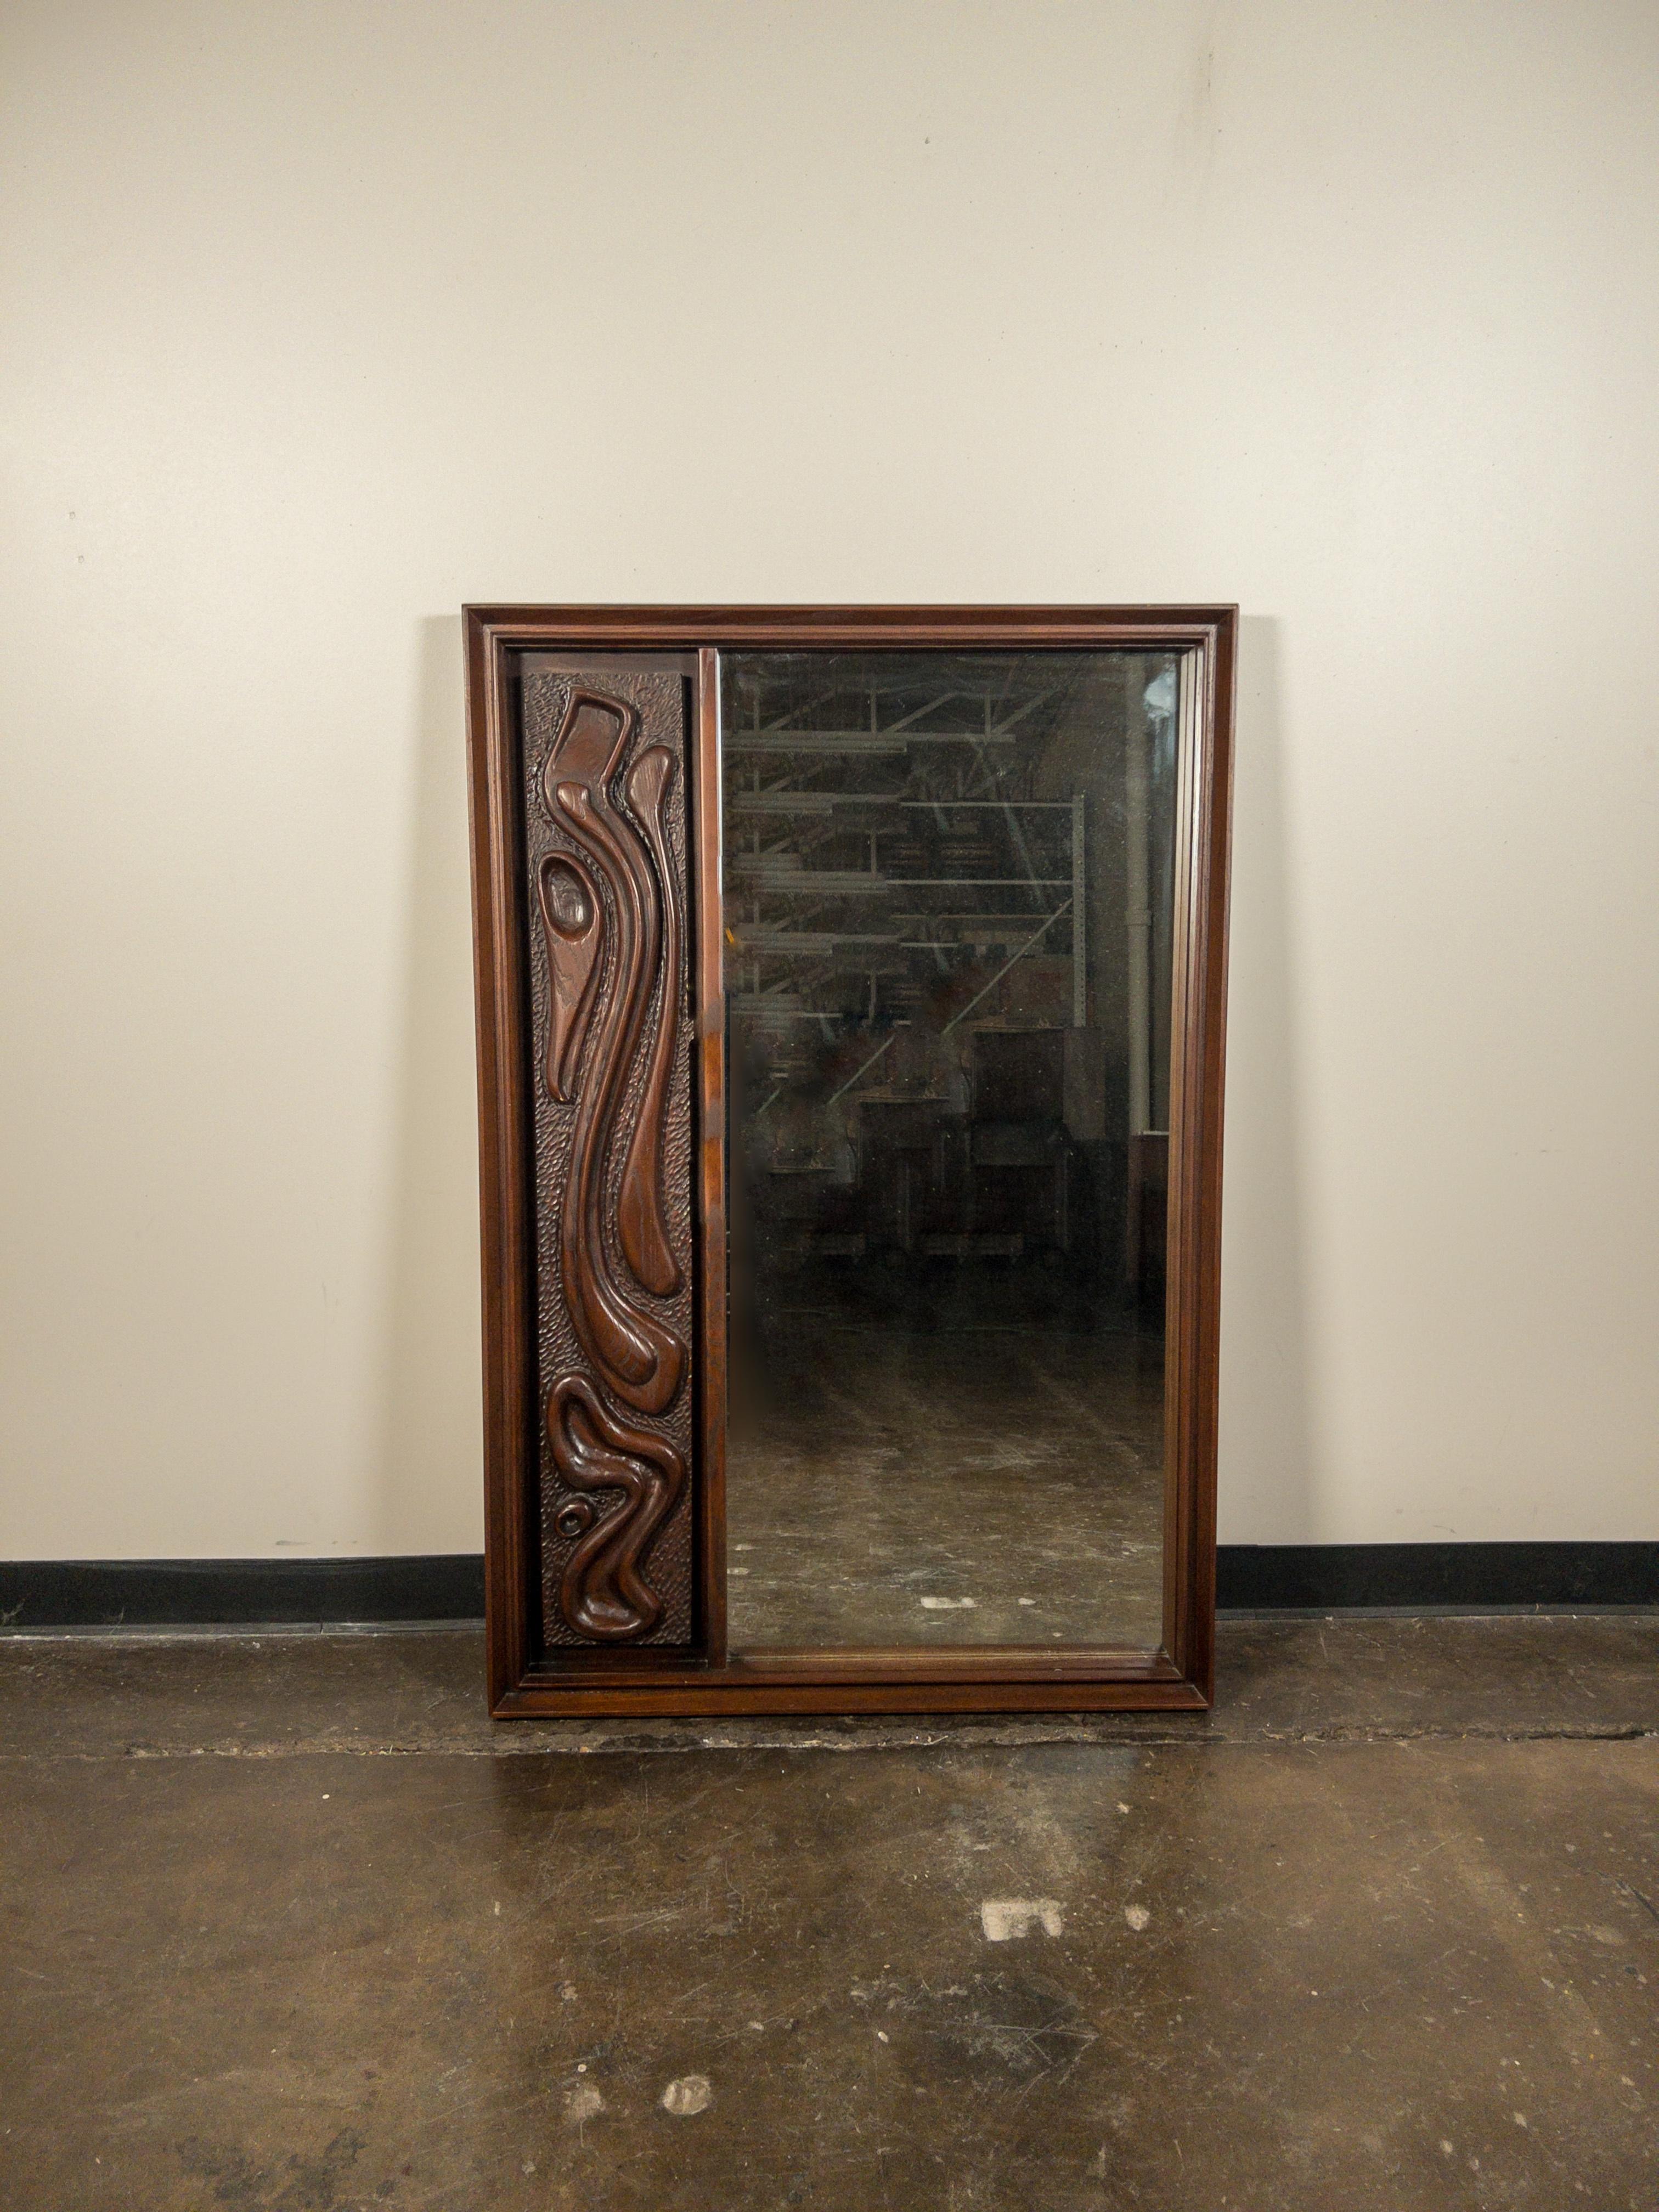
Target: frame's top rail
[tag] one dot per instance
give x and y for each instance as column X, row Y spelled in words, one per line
column 805, row 628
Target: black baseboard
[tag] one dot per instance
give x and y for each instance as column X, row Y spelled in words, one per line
column 40, row 1594
column 1433, row 1577
column 229, row 1593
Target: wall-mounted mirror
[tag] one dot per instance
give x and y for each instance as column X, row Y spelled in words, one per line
column 850, row 1010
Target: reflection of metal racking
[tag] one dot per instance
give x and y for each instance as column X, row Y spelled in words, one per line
column 898, row 873
column 905, row 907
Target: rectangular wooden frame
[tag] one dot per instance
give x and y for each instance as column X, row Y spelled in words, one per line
column 1180, row 1673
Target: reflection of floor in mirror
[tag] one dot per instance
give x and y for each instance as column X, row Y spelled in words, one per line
column 988, row 1487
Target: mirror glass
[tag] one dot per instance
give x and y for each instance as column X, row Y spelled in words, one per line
column 948, row 904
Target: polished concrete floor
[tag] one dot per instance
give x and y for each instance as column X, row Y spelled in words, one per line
column 999, row 1484
column 288, row 1924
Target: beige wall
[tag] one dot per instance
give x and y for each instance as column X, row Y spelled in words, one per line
column 319, row 319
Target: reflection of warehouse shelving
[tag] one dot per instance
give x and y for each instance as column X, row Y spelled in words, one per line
column 914, row 890
column 826, row 802
column 969, row 871
column 896, row 895
column 751, row 744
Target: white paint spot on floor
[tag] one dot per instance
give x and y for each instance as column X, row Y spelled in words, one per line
column 947, row 1605
column 1138, row 1916
column 584, row 2103
column 1010, row 1919
column 690, row 2094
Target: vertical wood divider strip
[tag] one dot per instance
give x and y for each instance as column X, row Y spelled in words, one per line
column 707, row 887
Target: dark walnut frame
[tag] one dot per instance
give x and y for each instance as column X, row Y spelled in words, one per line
column 622, row 1441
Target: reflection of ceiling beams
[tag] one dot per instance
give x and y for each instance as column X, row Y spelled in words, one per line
column 751, row 940
column 826, row 802
column 784, row 802
column 760, row 873
column 755, row 1010
column 990, row 694
column 785, row 882
column 990, row 933
column 973, row 931
column 849, row 742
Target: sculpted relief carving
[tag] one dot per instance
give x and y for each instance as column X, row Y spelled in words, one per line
column 611, row 901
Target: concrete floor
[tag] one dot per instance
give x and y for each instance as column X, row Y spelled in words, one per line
column 991, row 1485
column 288, row 1924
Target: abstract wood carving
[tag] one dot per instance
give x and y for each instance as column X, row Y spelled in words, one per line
column 644, row 1237
column 611, row 898
column 643, row 1361
column 604, row 1593
column 574, row 923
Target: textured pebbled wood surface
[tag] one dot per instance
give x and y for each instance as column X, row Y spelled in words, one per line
column 605, row 766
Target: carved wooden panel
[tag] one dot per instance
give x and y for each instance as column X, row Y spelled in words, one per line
column 604, row 760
